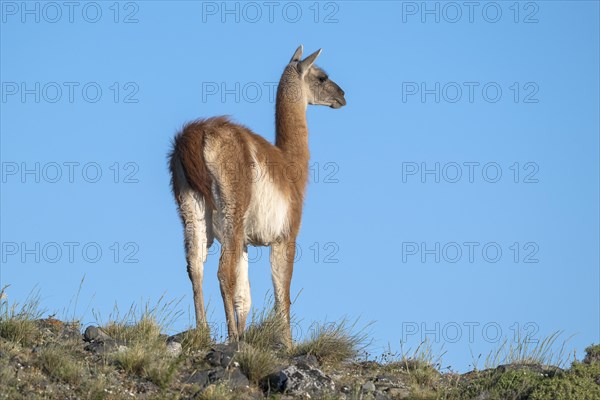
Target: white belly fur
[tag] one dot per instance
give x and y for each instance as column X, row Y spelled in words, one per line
column 267, row 216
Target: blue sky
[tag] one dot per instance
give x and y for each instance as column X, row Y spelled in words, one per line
column 455, row 197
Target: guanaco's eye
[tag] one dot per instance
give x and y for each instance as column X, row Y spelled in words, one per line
column 322, row 79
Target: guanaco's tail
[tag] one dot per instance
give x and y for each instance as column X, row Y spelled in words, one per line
column 188, row 152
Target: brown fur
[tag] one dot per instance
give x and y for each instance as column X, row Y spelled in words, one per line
column 188, row 147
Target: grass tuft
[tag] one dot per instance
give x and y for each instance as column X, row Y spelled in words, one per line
column 144, row 331
column 149, row 360
column 333, row 343
column 146, row 353
column 59, row 363
column 217, row 392
column 265, row 330
column 256, row 363
column 196, row 339
column 141, row 325
column 420, row 366
column 135, row 359
column 17, row 321
column 527, row 351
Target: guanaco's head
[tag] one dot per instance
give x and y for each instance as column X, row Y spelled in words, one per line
column 313, row 83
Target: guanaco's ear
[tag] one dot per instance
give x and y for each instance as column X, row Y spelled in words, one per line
column 298, row 54
column 305, row 64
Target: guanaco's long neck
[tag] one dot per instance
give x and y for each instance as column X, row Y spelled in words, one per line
column 291, row 130
column 291, row 136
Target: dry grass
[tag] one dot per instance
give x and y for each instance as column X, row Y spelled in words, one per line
column 333, row 343
column 146, row 354
column 44, row 359
column 525, row 350
column 217, row 392
column 8, row 377
column 256, row 363
column 18, row 330
column 152, row 362
column 196, row 339
column 59, row 363
column 135, row 359
column 17, row 321
column 146, row 329
column 265, row 330
column 422, row 356
column 139, row 325
column 419, row 367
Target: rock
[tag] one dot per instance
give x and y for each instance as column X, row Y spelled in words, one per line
column 234, row 378
column 216, row 375
column 398, row 393
column 392, row 385
column 300, row 380
column 308, row 359
column 72, row 333
column 178, row 337
column 387, row 380
column 237, row 379
column 50, row 323
column 95, row 334
column 368, row 387
column 104, row 347
column 221, row 355
column 174, row 348
column 57, row 330
column 200, row 378
column 367, row 365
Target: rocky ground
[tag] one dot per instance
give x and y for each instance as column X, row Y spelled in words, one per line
column 50, row 359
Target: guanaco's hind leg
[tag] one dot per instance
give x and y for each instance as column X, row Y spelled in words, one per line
column 242, row 300
column 196, row 216
column 198, row 238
